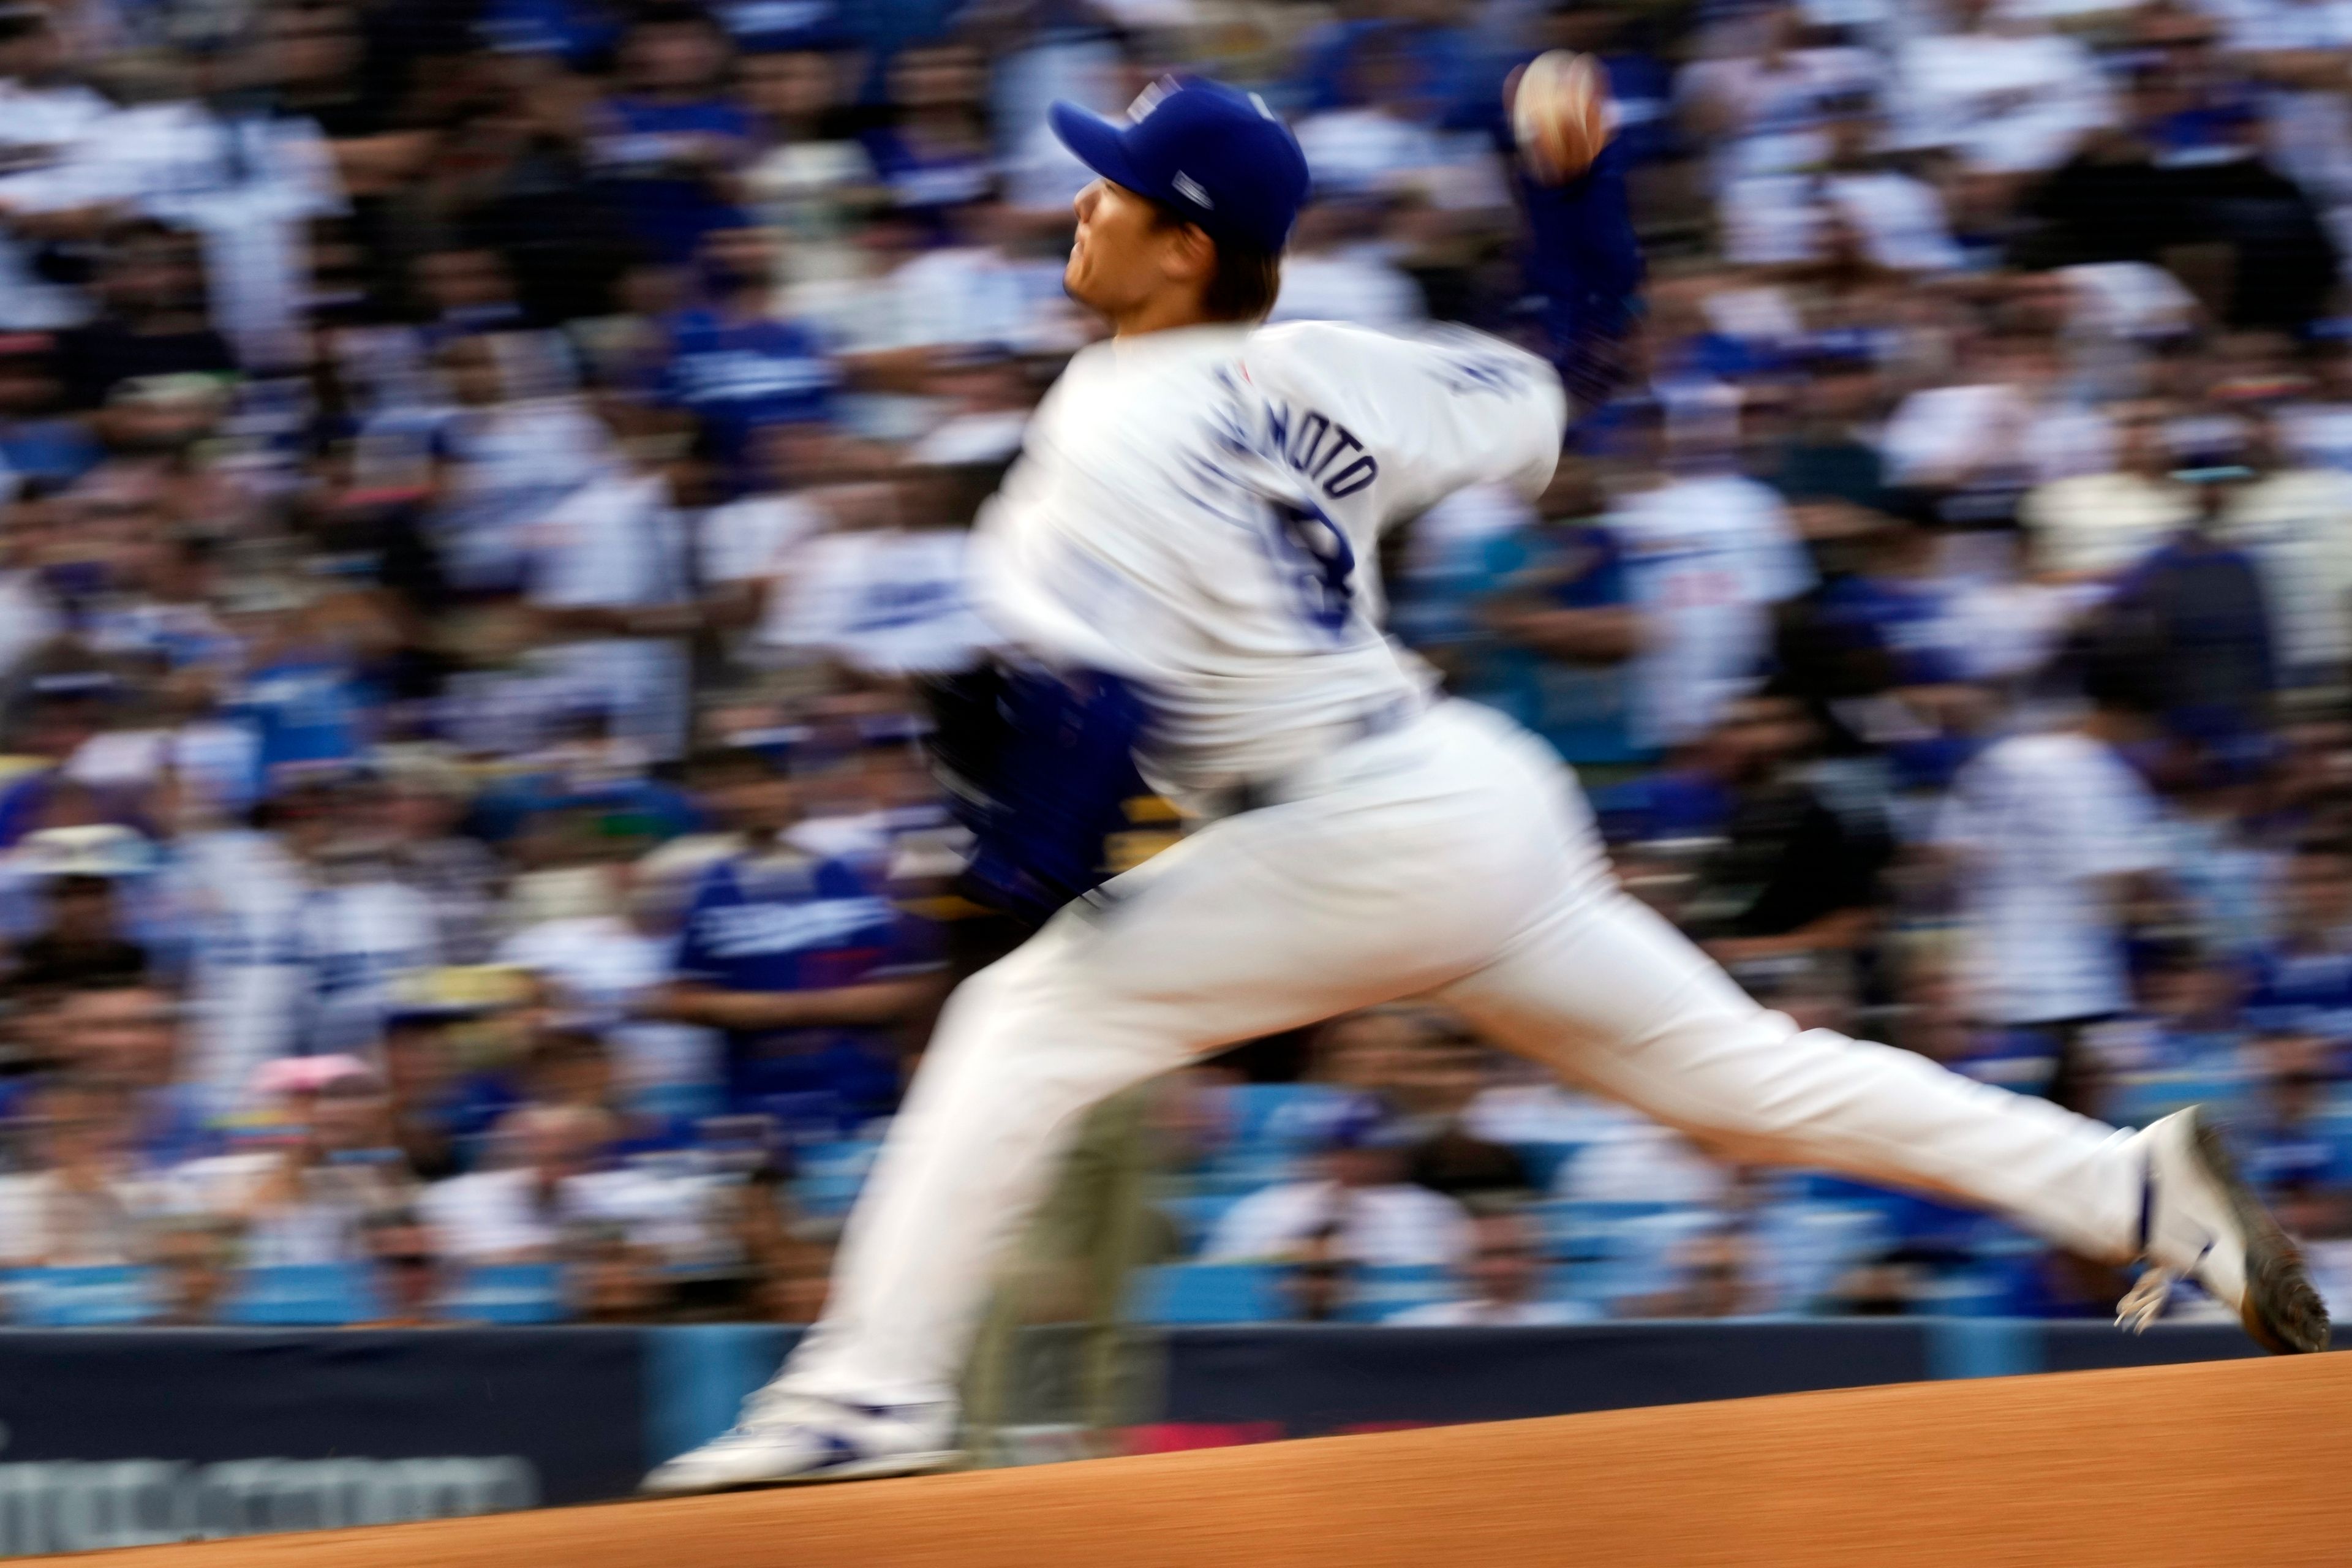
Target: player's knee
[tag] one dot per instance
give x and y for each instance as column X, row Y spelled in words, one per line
column 1014, row 1006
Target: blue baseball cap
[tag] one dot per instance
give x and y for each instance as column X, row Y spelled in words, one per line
column 1212, row 152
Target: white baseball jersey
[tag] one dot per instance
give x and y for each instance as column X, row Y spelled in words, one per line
column 889, row 600
column 599, row 964
column 2041, row 821
column 359, row 939
column 48, row 136
column 1199, row 510
column 615, row 542
column 1706, row 558
column 244, row 894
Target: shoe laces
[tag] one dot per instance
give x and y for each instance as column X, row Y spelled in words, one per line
column 2144, row 1302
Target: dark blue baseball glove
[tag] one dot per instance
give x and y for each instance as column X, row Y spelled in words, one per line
column 1040, row 766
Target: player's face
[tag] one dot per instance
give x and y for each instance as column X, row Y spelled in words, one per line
column 760, row 802
column 1501, row 1265
column 1121, row 256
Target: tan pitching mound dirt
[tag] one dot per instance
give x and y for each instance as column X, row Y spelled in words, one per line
column 2216, row 1465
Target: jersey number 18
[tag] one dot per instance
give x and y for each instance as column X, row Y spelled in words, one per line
column 1318, row 561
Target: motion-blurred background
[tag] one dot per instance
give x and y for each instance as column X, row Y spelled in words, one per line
column 485, row 482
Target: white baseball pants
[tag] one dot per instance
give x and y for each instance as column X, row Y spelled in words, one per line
column 1455, row 857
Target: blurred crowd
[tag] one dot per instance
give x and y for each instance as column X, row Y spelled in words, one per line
column 487, row 487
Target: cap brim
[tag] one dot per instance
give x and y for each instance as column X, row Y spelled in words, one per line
column 1099, row 143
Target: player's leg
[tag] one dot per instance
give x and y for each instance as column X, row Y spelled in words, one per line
column 1614, row 998
column 1391, row 880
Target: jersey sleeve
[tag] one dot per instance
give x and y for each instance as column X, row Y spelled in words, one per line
column 1435, row 412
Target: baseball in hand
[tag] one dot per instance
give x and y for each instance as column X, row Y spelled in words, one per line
column 1560, row 116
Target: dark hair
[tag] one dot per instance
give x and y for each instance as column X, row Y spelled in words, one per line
column 22, row 21
column 2120, row 666
column 723, row 759
column 672, row 14
column 555, row 1047
column 1247, row 280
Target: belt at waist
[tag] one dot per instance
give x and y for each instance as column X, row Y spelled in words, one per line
column 1386, row 719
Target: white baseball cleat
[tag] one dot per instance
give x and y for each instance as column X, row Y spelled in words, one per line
column 2198, row 1220
column 786, row 1439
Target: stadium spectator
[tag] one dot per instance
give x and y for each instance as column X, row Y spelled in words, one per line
column 127, row 1034
column 455, row 874
column 2048, row 833
column 1335, row 272
column 1315, row 1276
column 1501, row 1275
column 2301, row 979
column 1708, row 551
column 612, row 1279
column 1374, row 1216
column 731, row 365
column 1850, row 200
column 2293, row 517
column 405, row 1272
column 1713, row 1279
column 1428, row 1069
column 601, row 969
column 1627, row 1160
column 520, row 1210
column 307, row 1196
column 1559, row 603
column 86, row 1199
column 2097, row 526
column 193, row 1258
column 799, row 961
column 81, row 939
column 440, row 1112
column 2289, row 1145
column 672, row 143
column 1802, row 847
column 562, row 1171
column 1763, row 108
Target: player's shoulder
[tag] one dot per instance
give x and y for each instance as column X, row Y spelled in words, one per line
column 1281, row 342
column 1330, row 348
column 1367, row 374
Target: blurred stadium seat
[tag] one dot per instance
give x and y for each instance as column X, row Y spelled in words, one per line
column 1196, row 1215
column 90, row 1298
column 506, row 1293
column 829, row 1175
column 1208, row 1293
column 1377, row 1294
column 321, row 1294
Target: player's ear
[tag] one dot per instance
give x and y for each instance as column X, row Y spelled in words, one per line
column 1191, row 254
